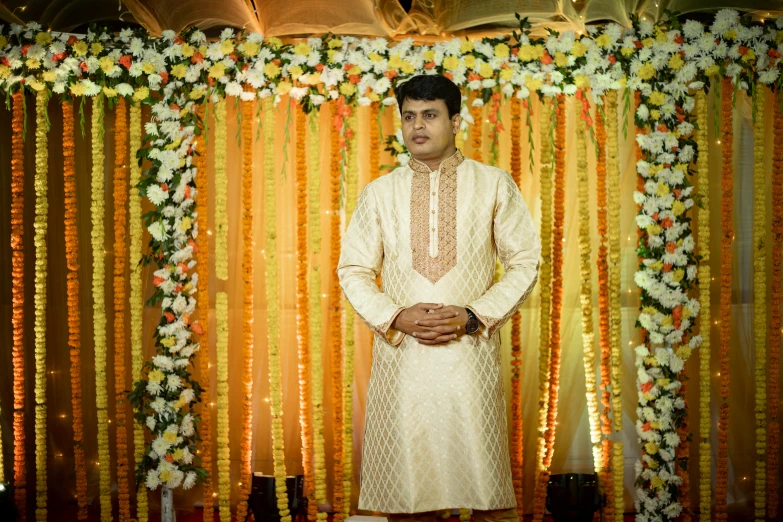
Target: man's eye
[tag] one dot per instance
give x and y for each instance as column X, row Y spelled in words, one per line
column 428, row 115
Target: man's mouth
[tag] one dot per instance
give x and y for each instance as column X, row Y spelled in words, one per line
column 420, row 139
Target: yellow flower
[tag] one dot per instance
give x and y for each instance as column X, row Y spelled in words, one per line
column 660, row 35
column 627, row 51
column 578, row 49
column 165, row 475
column 109, row 92
column 663, row 189
column 33, row 63
column 656, row 482
column 398, row 147
column 656, row 98
column 663, row 382
column 198, row 93
column 79, row 48
column 429, row 55
column 653, row 464
column 750, row 55
column 250, row 49
column 170, row 437
column 188, row 50
column 227, row 46
column 604, row 40
column 582, row 81
column 184, row 224
column 3, row 41
column 678, row 207
column 77, row 89
column 470, row 61
column 355, row 70
column 654, row 230
column 96, row 48
column 284, row 88
column 712, row 70
column 655, row 114
column 217, row 71
column 502, row 50
column 648, row 42
column 168, row 342
column 646, row 71
column 106, row 63
column 347, row 88
column 450, row 63
column 49, row 76
column 527, row 53
column 141, row 93
column 36, row 85
column 561, row 60
column 675, row 62
column 486, row 71
column 506, row 74
column 395, row 62
column 407, row 67
column 302, row 49
column 651, row 448
column 533, row 84
column 271, row 70
column 156, row 376
column 295, row 72
column 43, row 38
column 684, row 352
column 731, row 34
column 334, row 44
column 466, row 46
column 375, row 57
column 179, row 71
column 678, row 274
column 177, row 455
column 657, row 266
column 649, row 310
column 667, row 320
column 148, row 68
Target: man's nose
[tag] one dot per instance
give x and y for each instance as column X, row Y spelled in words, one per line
column 418, row 123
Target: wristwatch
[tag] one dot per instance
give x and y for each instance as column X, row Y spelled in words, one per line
column 472, row 325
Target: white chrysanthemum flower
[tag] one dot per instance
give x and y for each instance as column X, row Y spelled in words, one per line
column 154, row 388
column 190, row 480
column 160, row 446
column 157, row 231
column 153, row 479
column 150, row 422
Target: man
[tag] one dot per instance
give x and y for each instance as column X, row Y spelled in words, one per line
column 436, row 434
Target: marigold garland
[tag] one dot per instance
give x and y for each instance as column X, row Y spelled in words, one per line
column 302, row 321
column 336, row 307
column 120, row 190
column 272, row 292
column 517, row 468
column 497, row 127
column 99, row 306
column 375, row 140
column 727, row 236
column 604, row 339
column 246, row 446
column 760, row 298
column 703, row 173
column 318, row 496
column 557, row 297
column 222, row 440
column 41, row 272
column 136, row 304
column 545, row 274
column 586, row 287
column 221, row 193
column 683, row 453
column 202, row 300
column 477, row 129
column 351, row 182
column 776, row 313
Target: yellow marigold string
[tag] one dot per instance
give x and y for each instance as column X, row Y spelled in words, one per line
column 682, row 452
column 586, row 287
column 703, row 213
column 336, row 307
column 516, row 327
column 302, row 321
column 202, row 303
column 17, row 301
column 41, row 272
column 760, row 299
column 352, row 180
column 136, row 304
column 604, row 340
column 318, row 496
column 246, row 446
column 776, row 309
column 221, row 193
column 222, row 440
column 727, row 236
column 272, row 292
column 542, row 479
column 375, row 141
column 97, row 209
column 545, row 273
column 477, row 130
column 120, row 251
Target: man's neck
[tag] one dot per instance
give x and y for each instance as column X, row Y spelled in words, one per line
column 435, row 164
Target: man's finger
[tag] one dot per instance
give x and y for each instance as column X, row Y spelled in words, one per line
column 435, row 317
column 431, row 306
column 443, row 328
column 427, row 335
column 439, row 340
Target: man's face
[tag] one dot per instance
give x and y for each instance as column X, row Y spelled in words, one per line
column 427, row 130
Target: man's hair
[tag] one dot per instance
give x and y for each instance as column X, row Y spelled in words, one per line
column 430, row 87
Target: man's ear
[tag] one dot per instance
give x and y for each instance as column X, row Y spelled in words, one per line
column 456, row 121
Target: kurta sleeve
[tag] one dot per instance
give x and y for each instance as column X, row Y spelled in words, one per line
column 519, row 248
column 361, row 259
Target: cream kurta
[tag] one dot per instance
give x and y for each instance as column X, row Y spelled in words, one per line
column 436, row 434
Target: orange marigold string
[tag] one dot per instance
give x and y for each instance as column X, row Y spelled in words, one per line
column 74, row 317
column 202, row 303
column 776, row 313
column 516, row 326
column 604, row 337
column 120, row 254
column 375, row 141
column 17, row 299
column 683, row 451
column 302, row 303
column 557, row 301
column 477, row 129
column 338, row 118
column 727, row 236
column 246, row 447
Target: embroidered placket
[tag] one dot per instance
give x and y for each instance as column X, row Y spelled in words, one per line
column 434, row 184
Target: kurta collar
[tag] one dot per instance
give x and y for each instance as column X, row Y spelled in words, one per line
column 450, row 164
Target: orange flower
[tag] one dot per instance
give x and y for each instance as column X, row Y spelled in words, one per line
column 476, row 130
